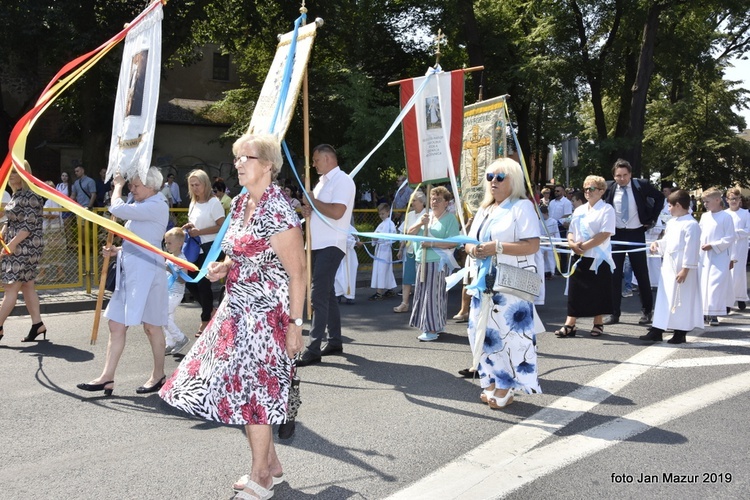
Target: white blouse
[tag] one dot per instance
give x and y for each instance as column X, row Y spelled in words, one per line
column 593, row 220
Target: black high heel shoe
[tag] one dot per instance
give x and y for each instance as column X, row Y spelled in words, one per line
column 145, row 390
column 1, row 332
column 98, row 387
column 34, row 332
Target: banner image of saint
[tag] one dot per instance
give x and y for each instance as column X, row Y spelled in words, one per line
column 432, row 115
column 136, row 84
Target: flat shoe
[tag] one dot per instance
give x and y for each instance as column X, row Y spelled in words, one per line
column 461, row 318
column 401, row 308
column 467, row 373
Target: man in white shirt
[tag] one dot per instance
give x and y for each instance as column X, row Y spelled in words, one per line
column 333, row 197
column 174, row 189
column 560, row 209
column 637, row 206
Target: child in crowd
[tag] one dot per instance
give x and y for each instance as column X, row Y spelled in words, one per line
column 678, row 299
column 345, row 283
column 176, row 340
column 383, row 280
column 717, row 239
column 554, row 232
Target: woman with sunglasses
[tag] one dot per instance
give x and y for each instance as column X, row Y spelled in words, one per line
column 590, row 286
column 507, row 228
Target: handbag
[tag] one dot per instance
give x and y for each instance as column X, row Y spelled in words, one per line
column 111, row 281
column 522, row 281
column 191, row 248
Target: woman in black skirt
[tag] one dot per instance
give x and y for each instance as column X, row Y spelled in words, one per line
column 589, row 291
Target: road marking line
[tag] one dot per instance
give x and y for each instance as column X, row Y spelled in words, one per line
column 711, row 361
column 463, row 473
column 541, row 461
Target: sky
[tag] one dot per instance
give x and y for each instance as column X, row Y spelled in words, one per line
column 740, row 71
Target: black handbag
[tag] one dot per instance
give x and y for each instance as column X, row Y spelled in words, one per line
column 111, row 281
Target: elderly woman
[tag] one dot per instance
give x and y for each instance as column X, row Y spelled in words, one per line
column 430, row 311
column 205, row 217
column 19, row 268
column 140, row 295
column 507, row 229
column 741, row 220
column 589, row 291
column 240, row 371
column 406, row 252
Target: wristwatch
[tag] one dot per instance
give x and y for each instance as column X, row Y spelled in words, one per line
column 296, row 321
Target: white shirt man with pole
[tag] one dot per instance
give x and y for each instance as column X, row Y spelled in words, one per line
column 333, row 197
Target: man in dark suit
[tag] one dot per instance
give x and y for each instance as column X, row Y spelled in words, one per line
column 637, row 205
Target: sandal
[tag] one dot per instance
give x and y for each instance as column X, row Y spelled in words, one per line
column 566, row 331
column 486, row 396
column 203, row 326
column 597, row 330
column 498, row 403
column 242, row 482
column 401, row 308
column 260, row 492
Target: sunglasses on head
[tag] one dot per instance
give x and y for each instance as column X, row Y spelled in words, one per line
column 499, row 177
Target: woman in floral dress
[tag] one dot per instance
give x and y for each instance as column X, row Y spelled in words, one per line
column 507, row 229
column 240, row 370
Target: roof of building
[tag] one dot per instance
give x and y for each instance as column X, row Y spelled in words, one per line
column 190, row 112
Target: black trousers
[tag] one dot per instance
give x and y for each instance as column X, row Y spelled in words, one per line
column 640, row 269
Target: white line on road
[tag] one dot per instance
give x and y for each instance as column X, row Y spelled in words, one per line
column 486, row 460
column 711, row 361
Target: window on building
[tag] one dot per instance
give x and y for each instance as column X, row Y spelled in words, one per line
column 221, row 66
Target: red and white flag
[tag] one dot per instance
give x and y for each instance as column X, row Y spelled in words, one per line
column 433, row 127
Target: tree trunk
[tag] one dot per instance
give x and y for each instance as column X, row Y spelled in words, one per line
column 473, row 43
column 638, row 101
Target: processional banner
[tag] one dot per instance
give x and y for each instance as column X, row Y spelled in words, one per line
column 484, row 140
column 134, row 121
column 264, row 119
column 436, row 116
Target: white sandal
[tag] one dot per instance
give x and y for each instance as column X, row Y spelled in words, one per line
column 244, row 479
column 498, row 403
column 401, row 308
column 260, row 492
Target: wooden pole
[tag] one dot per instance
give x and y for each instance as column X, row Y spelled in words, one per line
column 465, row 70
column 306, row 135
column 102, row 282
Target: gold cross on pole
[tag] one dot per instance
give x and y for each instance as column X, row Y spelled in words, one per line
column 439, row 40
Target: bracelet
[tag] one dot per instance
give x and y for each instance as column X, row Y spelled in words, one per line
column 498, row 247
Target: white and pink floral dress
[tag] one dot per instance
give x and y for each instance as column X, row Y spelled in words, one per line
column 238, row 371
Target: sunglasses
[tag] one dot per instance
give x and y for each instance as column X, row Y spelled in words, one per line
column 590, row 189
column 499, row 177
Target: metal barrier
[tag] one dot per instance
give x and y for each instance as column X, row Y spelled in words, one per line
column 72, row 251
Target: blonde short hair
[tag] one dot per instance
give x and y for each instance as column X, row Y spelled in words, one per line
column 712, row 192
column 513, row 174
column 597, row 181
column 176, row 233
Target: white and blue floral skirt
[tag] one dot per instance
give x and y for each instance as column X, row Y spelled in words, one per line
column 508, row 357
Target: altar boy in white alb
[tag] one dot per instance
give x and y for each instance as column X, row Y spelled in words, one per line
column 717, row 238
column 741, row 219
column 678, row 299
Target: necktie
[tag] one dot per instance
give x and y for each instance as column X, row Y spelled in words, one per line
column 625, row 208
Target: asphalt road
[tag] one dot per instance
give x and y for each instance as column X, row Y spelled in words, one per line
column 391, row 418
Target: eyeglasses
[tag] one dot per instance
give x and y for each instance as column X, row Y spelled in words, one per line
column 590, row 189
column 244, row 158
column 499, row 177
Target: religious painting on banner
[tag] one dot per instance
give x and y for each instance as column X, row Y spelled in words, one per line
column 134, row 119
column 432, row 129
column 484, row 140
column 265, row 119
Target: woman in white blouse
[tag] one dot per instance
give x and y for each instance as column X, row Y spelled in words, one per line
column 205, row 217
column 589, row 292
